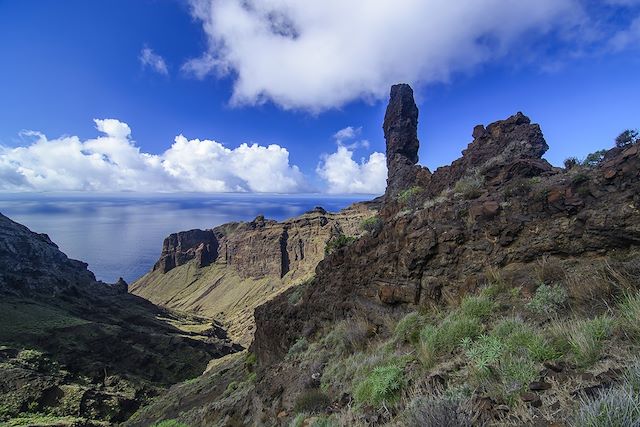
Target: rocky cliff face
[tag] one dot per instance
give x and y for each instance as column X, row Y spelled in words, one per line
column 499, row 205
column 254, row 262
column 72, row 346
column 32, row 262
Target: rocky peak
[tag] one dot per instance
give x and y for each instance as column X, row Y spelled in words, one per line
column 401, row 135
column 514, row 145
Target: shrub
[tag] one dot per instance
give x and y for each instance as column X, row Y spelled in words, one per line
column 381, row 386
column 582, row 339
column 626, row 138
column 483, row 353
column 594, row 159
column 629, row 310
column 408, row 328
column 338, row 242
column 516, row 336
column 619, row 406
column 410, row 197
column 571, row 162
column 476, row 306
column 372, row 225
column 300, row 346
column 548, row 299
column 438, row 411
column 437, row 341
column 312, row 400
column 469, row 187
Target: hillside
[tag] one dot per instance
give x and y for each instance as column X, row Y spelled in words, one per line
column 498, row 290
column 227, row 271
column 75, row 351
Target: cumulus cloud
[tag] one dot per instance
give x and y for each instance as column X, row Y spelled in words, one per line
column 321, row 54
column 112, row 162
column 150, row 59
column 344, row 175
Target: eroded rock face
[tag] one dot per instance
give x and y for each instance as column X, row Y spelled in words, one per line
column 524, row 210
column 32, row 262
column 501, row 151
column 263, row 247
column 180, row 248
column 401, row 133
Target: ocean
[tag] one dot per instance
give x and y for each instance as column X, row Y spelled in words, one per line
column 121, row 235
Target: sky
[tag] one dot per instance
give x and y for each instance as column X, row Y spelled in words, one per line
column 288, row 96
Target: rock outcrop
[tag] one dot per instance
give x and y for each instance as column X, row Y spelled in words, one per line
column 32, row 262
column 254, row 262
column 180, row 248
column 521, row 209
column 401, row 133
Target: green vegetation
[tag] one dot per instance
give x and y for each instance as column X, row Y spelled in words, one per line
column 582, row 340
column 548, row 299
column 170, row 423
column 16, row 317
column 410, row 197
column 627, row 137
column 372, row 224
column 630, row 314
column 469, row 187
column 594, row 159
column 571, row 162
column 300, row 346
column 381, row 386
column 338, row 242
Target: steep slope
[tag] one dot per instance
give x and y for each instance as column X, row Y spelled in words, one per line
column 499, row 290
column 228, row 271
column 72, row 346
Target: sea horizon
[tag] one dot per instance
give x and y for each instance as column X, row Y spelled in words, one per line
column 121, row 234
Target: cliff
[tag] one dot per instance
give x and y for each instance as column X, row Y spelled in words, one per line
column 71, row 346
column 227, row 271
column 498, row 290
column 499, row 205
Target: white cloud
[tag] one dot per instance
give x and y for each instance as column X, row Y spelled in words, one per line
column 321, row 54
column 350, row 134
column 627, row 38
column 148, row 58
column 112, row 162
column 344, row 175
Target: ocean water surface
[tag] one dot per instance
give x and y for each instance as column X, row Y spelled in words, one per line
column 121, row 235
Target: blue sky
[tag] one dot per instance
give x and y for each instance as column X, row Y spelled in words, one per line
column 571, row 65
